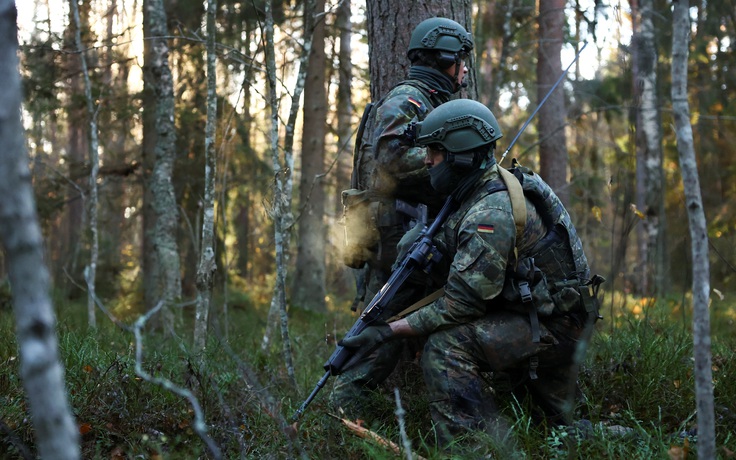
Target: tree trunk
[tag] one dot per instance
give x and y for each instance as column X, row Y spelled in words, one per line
column 282, row 189
column 552, row 115
column 243, row 215
column 390, row 24
column 207, row 263
column 42, row 374
column 90, row 272
column 650, row 175
column 161, row 183
column 493, row 73
column 308, row 288
column 698, row 232
column 113, row 198
column 343, row 278
column 149, row 264
column 77, row 147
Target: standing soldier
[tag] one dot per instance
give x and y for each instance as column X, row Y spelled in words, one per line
column 518, row 296
column 390, row 184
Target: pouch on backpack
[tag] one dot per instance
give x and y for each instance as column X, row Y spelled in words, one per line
column 360, row 224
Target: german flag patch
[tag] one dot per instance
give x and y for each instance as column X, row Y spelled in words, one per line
column 415, row 102
column 485, row 228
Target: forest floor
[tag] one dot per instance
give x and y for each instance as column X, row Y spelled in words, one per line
column 637, row 387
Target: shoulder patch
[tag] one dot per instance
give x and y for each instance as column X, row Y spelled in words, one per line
column 485, row 228
column 418, row 104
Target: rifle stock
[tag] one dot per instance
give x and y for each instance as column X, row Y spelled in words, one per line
column 422, row 255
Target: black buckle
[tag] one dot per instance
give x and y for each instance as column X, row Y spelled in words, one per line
column 525, row 290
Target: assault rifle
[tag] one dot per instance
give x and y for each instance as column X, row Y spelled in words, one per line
column 421, row 255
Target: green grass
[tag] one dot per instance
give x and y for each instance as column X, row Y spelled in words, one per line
column 638, row 374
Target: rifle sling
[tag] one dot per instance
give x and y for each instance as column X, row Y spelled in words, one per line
column 418, row 304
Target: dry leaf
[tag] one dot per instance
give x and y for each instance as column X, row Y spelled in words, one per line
column 85, row 428
column 117, row 454
column 676, row 453
column 636, row 211
column 597, row 213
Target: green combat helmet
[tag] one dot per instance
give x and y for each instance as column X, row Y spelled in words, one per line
column 440, row 34
column 459, row 126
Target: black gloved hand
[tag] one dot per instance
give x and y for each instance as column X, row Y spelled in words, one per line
column 370, row 338
column 405, row 244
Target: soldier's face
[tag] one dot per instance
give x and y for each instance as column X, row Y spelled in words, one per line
column 433, row 157
column 460, row 75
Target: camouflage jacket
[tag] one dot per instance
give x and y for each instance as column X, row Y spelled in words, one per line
column 479, row 238
column 390, row 164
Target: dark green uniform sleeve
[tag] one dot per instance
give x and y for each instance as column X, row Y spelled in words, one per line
column 486, row 237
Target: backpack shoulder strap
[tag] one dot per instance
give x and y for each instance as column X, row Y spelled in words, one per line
column 368, row 113
column 357, row 148
column 518, row 202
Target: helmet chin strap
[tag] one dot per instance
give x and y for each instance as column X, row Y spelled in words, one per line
column 461, row 161
column 457, row 73
column 463, row 84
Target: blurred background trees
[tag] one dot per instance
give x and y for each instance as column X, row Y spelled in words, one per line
column 622, row 182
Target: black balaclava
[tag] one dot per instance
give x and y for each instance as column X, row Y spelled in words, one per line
column 447, row 178
column 434, row 78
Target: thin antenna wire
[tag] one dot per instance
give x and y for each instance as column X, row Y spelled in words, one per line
column 531, row 117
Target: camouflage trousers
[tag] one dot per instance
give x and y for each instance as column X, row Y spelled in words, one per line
column 501, row 342
column 453, row 363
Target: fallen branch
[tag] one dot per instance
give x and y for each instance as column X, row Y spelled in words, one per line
column 365, row 433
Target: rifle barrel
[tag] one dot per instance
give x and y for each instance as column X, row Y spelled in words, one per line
column 311, row 397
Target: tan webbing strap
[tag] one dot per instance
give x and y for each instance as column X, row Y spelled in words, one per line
column 518, row 202
column 418, row 304
column 518, row 208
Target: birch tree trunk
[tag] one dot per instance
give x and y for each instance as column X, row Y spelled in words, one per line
column 552, row 115
column 161, row 183
column 57, row 436
column 650, row 175
column 308, row 286
column 282, row 189
column 698, row 232
column 207, row 263
column 90, row 272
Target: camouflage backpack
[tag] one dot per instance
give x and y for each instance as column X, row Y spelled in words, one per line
column 360, row 202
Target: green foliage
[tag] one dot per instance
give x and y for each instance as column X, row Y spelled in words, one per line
column 638, row 375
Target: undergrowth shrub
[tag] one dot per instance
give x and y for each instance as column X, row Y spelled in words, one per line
column 637, row 387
